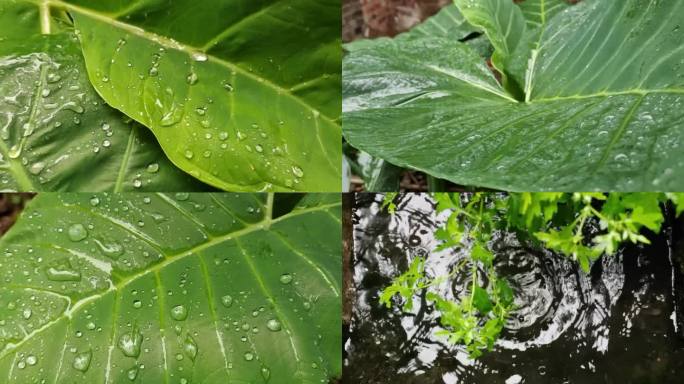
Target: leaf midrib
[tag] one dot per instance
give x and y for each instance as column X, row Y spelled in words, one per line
column 264, row 224
column 172, row 44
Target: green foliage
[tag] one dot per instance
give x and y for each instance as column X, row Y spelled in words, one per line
column 557, row 221
column 229, row 97
column 405, row 285
column 388, row 202
column 552, row 116
column 180, row 288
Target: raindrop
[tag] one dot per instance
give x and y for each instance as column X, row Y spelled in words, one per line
column 259, row 148
column 37, row 168
column 297, row 171
column 273, row 325
column 15, row 151
column 53, row 78
column 95, row 201
column 26, row 313
column 620, row 157
column 190, row 347
column 31, row 360
column 201, row 111
column 179, row 313
column 111, row 249
column 286, row 278
column 188, row 154
column 137, row 183
column 228, row 87
column 130, row 342
column 265, row 373
column 56, row 274
column 153, row 168
column 137, row 304
column 199, row 56
column 249, row 356
column 154, row 71
column 82, row 361
column 106, row 143
column 105, row 79
column 90, row 326
column 132, row 373
column 45, row 92
column 223, row 135
column 77, row 232
column 182, row 196
column 227, row 301
column 191, row 78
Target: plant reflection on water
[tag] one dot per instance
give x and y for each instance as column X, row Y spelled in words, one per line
column 614, row 325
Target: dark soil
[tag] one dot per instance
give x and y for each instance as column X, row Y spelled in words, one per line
column 11, row 205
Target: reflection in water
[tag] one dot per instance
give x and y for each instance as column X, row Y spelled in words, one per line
column 614, row 325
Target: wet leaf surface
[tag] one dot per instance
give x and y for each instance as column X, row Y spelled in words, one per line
column 600, row 111
column 242, row 94
column 57, row 134
column 184, row 288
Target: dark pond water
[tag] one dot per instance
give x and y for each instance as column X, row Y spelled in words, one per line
column 614, row 325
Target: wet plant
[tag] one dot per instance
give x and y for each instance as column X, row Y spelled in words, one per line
column 160, row 104
column 580, row 226
column 184, row 288
column 507, row 95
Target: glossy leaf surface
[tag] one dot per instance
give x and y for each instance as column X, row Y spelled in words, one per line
column 56, row 133
column 242, row 94
column 192, row 288
column 601, row 106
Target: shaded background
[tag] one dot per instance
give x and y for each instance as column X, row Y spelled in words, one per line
column 11, row 205
column 374, row 18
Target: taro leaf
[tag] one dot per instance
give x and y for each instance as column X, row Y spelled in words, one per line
column 196, row 288
column 604, row 109
column 448, row 22
column 56, row 133
column 242, row 94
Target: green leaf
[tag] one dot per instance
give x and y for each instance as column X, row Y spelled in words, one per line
column 678, row 200
column 242, row 94
column 56, row 133
column 481, row 300
column 505, row 293
column 502, row 22
column 592, row 119
column 202, row 287
column 482, row 254
column 645, row 209
column 448, row 22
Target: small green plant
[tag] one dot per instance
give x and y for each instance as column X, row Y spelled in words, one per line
column 557, row 221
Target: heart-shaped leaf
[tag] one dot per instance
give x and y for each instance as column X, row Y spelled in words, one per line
column 191, row 288
column 56, row 133
column 600, row 105
column 242, row 94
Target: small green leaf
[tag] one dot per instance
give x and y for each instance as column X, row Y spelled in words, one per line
column 482, row 254
column 481, row 300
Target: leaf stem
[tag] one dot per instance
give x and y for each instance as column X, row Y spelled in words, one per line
column 44, row 9
column 269, row 207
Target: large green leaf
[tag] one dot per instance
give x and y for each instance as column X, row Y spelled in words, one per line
column 56, row 133
column 242, row 94
column 603, row 107
column 191, row 288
